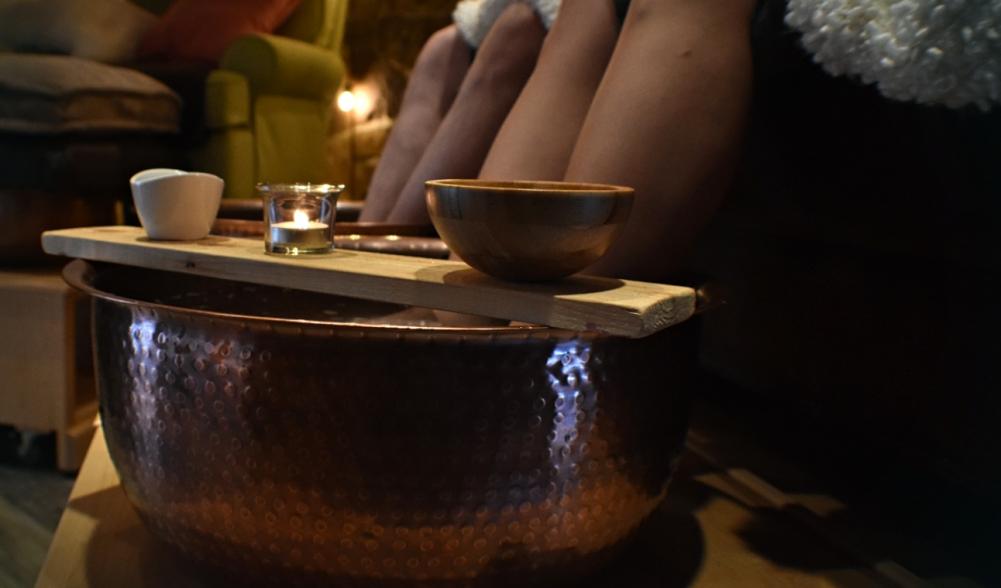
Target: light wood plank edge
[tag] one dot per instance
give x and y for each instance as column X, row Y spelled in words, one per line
column 663, row 306
column 73, row 442
column 64, row 564
column 892, row 572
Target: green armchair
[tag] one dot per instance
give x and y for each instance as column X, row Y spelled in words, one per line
column 266, row 107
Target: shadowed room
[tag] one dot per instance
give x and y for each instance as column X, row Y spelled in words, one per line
column 484, row 293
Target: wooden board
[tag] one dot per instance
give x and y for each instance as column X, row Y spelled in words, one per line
column 618, row 307
column 712, row 531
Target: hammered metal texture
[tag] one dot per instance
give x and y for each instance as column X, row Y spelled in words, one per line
column 308, row 453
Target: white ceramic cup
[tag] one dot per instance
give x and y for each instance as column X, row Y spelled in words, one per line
column 176, row 205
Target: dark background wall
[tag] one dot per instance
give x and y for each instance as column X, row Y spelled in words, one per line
column 384, row 37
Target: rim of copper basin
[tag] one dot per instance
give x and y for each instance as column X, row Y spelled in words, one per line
column 529, row 187
column 74, row 272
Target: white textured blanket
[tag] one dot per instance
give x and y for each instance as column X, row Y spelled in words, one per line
column 475, row 17
column 930, row 51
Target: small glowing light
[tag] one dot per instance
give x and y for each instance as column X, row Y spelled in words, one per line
column 301, row 219
column 392, row 237
column 346, row 101
column 359, row 99
column 363, row 102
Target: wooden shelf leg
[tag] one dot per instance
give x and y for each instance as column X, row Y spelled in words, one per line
column 72, row 444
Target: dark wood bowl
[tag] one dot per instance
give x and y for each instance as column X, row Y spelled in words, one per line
column 527, row 231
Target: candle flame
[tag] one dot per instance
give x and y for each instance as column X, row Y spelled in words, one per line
column 301, row 219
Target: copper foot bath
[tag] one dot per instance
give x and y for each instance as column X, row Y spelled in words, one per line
column 289, row 438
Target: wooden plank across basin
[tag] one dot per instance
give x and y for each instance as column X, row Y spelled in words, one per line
column 618, row 307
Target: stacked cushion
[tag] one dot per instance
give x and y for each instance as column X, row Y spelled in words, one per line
column 52, row 94
column 103, row 30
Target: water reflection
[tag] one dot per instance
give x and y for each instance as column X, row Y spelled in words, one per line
column 570, row 381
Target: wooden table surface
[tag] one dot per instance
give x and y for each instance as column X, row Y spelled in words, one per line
column 717, row 528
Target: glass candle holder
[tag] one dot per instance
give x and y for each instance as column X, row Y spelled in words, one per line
column 299, row 218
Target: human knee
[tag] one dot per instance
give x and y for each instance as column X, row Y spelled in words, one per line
column 568, row 7
column 584, row 28
column 438, row 48
column 516, row 21
column 509, row 51
column 646, row 10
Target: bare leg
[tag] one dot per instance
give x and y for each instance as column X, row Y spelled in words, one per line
column 502, row 66
column 668, row 120
column 538, row 136
column 432, row 87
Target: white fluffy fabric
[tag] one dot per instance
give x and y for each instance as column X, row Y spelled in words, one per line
column 475, row 17
column 929, row 51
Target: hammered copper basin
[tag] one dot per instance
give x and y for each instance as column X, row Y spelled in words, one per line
column 297, row 439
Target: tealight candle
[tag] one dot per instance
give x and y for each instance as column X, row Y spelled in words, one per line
column 299, row 217
column 300, row 232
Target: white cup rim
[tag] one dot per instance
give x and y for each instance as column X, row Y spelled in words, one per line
column 162, row 173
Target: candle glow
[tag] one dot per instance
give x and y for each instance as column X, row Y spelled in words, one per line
column 301, row 219
column 346, row 101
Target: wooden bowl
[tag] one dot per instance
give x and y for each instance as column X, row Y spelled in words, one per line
column 527, row 231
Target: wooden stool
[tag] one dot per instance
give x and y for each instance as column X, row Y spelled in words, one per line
column 46, row 372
